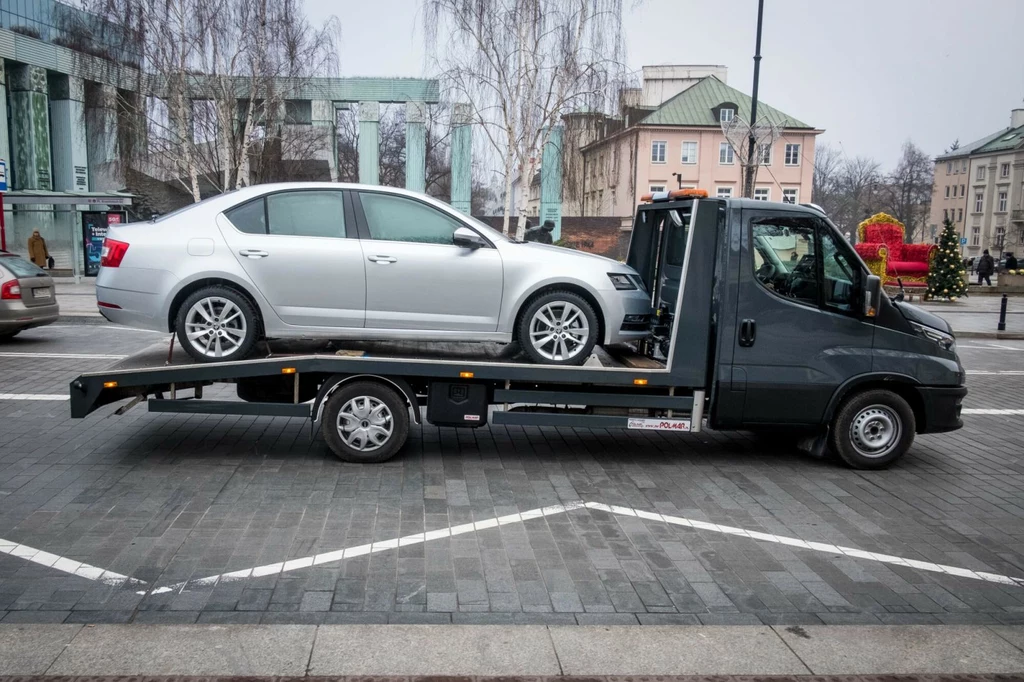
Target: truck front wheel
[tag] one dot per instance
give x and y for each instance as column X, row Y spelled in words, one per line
column 873, row 429
column 365, row 422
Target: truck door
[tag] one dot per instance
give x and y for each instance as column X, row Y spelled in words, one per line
column 800, row 333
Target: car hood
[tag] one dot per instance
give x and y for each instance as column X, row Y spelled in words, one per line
column 921, row 316
column 551, row 251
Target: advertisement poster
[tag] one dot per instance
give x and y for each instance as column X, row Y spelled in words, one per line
column 94, row 231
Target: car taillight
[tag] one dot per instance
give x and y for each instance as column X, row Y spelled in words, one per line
column 10, row 291
column 113, row 253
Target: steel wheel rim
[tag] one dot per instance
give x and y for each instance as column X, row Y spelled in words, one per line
column 365, row 423
column 559, row 331
column 215, row 327
column 876, row 431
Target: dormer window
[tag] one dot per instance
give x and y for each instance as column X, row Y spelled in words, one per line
column 726, row 114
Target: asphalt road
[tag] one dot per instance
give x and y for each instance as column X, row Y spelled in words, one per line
column 153, row 518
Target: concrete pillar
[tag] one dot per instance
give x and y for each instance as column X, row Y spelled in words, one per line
column 462, row 158
column 369, row 143
column 31, row 129
column 67, row 134
column 325, row 119
column 5, row 146
column 101, row 130
column 551, row 182
column 416, row 146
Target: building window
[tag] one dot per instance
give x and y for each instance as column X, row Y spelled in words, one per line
column 960, row 215
column 766, row 154
column 689, row 152
column 725, row 157
column 945, row 214
column 762, row 193
column 658, row 151
column 976, row 236
column 1004, row 170
column 789, row 196
column 947, row 190
column 723, row 192
column 792, row 155
column 979, row 201
column 949, row 167
column 726, row 115
column 1002, row 202
column 981, row 173
column 963, row 166
column 657, row 188
column 963, row 190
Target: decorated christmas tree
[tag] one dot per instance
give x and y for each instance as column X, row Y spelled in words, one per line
column 946, row 276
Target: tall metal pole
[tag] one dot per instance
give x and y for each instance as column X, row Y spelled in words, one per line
column 751, row 169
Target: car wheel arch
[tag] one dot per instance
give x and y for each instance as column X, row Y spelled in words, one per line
column 900, row 384
column 573, row 287
column 192, row 286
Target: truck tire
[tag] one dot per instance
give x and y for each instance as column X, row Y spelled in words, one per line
column 873, row 429
column 544, row 338
column 221, row 322
column 365, row 422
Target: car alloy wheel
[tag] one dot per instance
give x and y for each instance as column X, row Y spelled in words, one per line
column 559, row 331
column 215, row 327
column 365, row 423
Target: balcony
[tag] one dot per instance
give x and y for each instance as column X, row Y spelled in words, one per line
column 1017, row 215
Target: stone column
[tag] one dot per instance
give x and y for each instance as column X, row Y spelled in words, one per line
column 551, row 182
column 325, row 119
column 31, row 130
column 462, row 158
column 67, row 134
column 101, row 142
column 415, row 146
column 5, row 147
column 369, row 143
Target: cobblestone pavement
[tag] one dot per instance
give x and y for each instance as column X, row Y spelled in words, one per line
column 164, row 499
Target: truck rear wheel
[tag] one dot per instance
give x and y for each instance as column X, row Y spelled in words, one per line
column 873, row 429
column 365, row 422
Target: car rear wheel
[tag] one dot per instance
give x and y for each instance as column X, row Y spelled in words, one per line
column 559, row 328
column 365, row 422
column 873, row 429
column 217, row 324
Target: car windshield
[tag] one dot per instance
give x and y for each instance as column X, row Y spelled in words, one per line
column 20, row 267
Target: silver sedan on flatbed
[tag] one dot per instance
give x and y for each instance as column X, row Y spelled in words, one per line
column 343, row 261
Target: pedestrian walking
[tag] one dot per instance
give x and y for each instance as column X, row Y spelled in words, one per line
column 986, row 266
column 37, row 252
column 1011, row 262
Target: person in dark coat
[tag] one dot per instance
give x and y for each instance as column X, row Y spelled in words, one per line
column 1011, row 262
column 986, row 266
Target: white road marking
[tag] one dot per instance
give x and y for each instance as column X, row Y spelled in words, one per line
column 38, row 556
column 33, row 396
column 68, row 356
column 1009, row 372
column 991, row 347
column 975, row 410
column 417, row 538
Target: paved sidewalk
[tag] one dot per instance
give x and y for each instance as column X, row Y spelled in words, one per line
column 309, row 650
column 76, row 299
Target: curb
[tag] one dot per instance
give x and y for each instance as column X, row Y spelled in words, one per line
column 1002, row 336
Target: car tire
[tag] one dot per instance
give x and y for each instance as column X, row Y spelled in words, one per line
column 543, row 318
column 228, row 320
column 873, row 429
column 365, row 422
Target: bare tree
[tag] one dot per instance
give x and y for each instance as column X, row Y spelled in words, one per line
column 522, row 64
column 826, row 185
column 906, row 192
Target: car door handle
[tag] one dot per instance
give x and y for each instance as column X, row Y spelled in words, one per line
column 748, row 332
column 383, row 260
column 253, row 253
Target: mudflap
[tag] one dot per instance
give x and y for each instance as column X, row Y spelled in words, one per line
column 814, row 444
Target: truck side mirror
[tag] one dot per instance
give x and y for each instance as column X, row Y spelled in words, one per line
column 872, row 295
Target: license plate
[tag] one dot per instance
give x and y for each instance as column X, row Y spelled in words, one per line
column 41, row 293
column 660, row 424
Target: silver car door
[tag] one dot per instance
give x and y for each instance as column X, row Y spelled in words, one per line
column 417, row 278
column 299, row 253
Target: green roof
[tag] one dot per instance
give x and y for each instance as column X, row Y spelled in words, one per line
column 971, row 147
column 692, row 107
column 1011, row 138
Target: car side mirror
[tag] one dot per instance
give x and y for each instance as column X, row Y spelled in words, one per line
column 872, row 295
column 467, row 238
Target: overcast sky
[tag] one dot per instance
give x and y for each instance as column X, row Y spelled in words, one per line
column 871, row 73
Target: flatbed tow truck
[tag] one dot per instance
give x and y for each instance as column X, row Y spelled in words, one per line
column 764, row 319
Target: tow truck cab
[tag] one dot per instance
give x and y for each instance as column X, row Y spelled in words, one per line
column 799, row 332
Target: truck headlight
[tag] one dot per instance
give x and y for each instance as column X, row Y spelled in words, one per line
column 620, row 281
column 945, row 341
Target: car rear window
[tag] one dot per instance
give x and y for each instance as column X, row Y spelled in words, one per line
column 20, row 267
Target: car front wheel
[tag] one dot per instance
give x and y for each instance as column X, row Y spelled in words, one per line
column 217, row 324
column 558, row 328
column 873, row 429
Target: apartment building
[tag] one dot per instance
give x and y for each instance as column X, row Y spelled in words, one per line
column 981, row 187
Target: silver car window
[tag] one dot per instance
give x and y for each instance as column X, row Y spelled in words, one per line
column 306, row 214
column 398, row 219
column 250, row 217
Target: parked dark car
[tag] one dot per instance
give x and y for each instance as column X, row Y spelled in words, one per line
column 27, row 298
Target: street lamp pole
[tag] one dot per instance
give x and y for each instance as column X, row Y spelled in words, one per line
column 751, row 169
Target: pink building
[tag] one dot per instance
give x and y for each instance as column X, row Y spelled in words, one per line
column 680, row 143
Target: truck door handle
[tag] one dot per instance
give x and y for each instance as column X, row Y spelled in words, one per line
column 383, row 260
column 748, row 332
column 253, row 253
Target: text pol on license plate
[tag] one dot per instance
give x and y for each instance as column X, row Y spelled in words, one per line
column 41, row 293
column 660, row 424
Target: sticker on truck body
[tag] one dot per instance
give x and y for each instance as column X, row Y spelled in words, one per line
column 659, row 424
